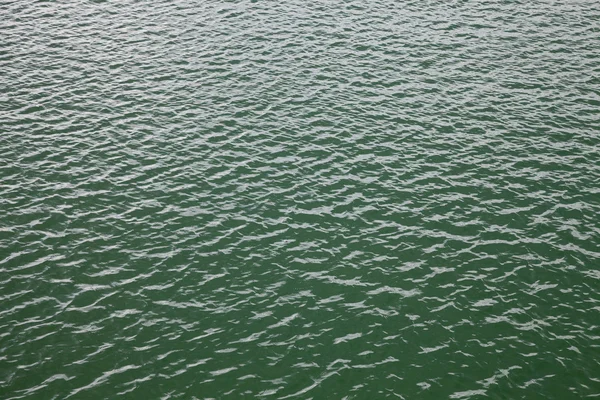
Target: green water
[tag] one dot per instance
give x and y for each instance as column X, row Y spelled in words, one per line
column 300, row 200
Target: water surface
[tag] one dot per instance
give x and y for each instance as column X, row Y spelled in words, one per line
column 300, row 200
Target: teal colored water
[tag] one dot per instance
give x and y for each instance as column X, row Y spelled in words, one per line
column 300, row 200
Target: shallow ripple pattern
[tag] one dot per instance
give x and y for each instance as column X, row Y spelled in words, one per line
column 300, row 200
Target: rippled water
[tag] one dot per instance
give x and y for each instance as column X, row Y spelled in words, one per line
column 327, row 200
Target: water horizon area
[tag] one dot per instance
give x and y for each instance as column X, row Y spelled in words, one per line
column 300, row 200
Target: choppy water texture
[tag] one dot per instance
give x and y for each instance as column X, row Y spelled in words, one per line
column 312, row 200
